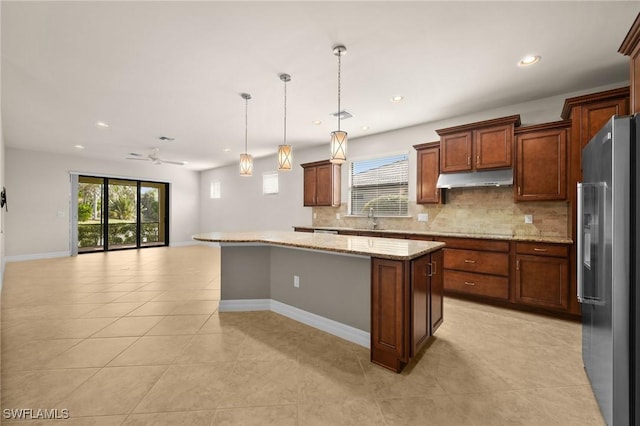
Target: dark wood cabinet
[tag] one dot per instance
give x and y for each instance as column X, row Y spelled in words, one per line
column 588, row 114
column 483, row 145
column 406, row 307
column 321, row 184
column 477, row 267
column 493, row 146
column 541, row 162
column 631, row 48
column 542, row 275
column 428, row 170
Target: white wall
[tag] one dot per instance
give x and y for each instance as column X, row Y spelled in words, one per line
column 39, row 190
column 243, row 207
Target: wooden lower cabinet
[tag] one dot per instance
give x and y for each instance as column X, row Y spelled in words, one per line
column 477, row 268
column 406, row 307
column 542, row 276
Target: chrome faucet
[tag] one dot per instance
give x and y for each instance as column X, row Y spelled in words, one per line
column 372, row 219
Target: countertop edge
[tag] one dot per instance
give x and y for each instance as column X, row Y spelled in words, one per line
column 434, row 246
column 516, row 238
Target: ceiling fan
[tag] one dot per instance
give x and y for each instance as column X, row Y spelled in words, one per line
column 154, row 157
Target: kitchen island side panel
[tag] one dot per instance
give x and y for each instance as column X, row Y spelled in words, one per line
column 333, row 286
column 244, row 272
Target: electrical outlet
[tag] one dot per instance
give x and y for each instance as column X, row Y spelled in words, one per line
column 423, row 217
column 296, row 281
column 528, row 218
column 315, row 215
column 337, row 216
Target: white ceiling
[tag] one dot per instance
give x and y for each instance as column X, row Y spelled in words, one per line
column 177, row 69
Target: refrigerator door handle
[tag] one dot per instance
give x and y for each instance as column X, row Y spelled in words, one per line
column 579, row 248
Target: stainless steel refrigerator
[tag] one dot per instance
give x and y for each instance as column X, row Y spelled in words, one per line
column 607, row 268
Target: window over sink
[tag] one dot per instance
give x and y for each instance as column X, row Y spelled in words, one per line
column 379, row 186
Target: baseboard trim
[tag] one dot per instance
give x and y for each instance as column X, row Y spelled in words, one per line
column 184, row 244
column 36, row 256
column 330, row 326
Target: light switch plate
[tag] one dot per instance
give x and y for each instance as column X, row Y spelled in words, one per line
column 423, row 217
column 528, row 218
column 337, row 216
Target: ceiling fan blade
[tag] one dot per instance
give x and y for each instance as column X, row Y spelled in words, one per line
column 178, row 163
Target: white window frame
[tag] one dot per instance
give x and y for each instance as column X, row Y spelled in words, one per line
column 215, row 190
column 270, row 183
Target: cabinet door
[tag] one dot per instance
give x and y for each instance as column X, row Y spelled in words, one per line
column 420, row 328
column 542, row 281
column 324, row 179
column 428, row 172
column 595, row 115
column 389, row 305
column 541, row 165
column 492, row 146
column 455, row 152
column 437, row 290
column 310, row 179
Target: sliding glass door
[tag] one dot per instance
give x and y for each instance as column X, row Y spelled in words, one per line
column 118, row 214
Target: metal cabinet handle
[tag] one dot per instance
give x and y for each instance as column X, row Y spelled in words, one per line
column 433, row 268
column 469, row 261
column 478, row 159
column 469, row 283
column 539, row 249
column 468, row 160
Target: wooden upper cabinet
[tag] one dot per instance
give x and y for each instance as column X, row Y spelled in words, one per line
column 428, row 171
column 492, row 146
column 321, row 184
column 589, row 113
column 456, row 152
column 631, row 48
column 483, row 145
column 541, row 162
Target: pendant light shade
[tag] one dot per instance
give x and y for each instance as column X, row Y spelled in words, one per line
column 284, row 150
column 284, row 157
column 246, row 160
column 339, row 137
column 246, row 165
column 338, row 147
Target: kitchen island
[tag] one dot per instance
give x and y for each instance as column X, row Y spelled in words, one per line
column 385, row 294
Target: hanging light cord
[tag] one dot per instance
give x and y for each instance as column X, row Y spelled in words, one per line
column 246, row 122
column 339, row 63
column 285, row 112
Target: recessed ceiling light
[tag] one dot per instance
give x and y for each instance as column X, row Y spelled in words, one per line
column 317, row 122
column 365, row 127
column 102, row 124
column 397, row 99
column 227, row 150
column 528, row 60
column 78, row 146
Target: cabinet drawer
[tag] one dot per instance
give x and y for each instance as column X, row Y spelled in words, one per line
column 474, row 244
column 478, row 284
column 557, row 250
column 477, row 261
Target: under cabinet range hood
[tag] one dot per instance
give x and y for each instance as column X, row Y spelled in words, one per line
column 502, row 177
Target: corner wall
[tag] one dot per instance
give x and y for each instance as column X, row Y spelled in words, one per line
column 39, row 192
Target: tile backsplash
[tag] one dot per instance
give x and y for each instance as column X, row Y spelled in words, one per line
column 468, row 211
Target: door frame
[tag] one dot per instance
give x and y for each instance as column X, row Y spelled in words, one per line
column 73, row 207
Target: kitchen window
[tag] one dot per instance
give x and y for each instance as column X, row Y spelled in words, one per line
column 379, row 186
column 270, row 183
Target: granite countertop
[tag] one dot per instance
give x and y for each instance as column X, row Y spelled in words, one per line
column 484, row 236
column 386, row 248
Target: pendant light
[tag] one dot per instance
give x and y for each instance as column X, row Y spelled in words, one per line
column 339, row 137
column 246, row 161
column 284, row 150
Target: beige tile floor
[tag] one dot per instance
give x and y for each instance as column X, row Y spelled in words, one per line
column 134, row 338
